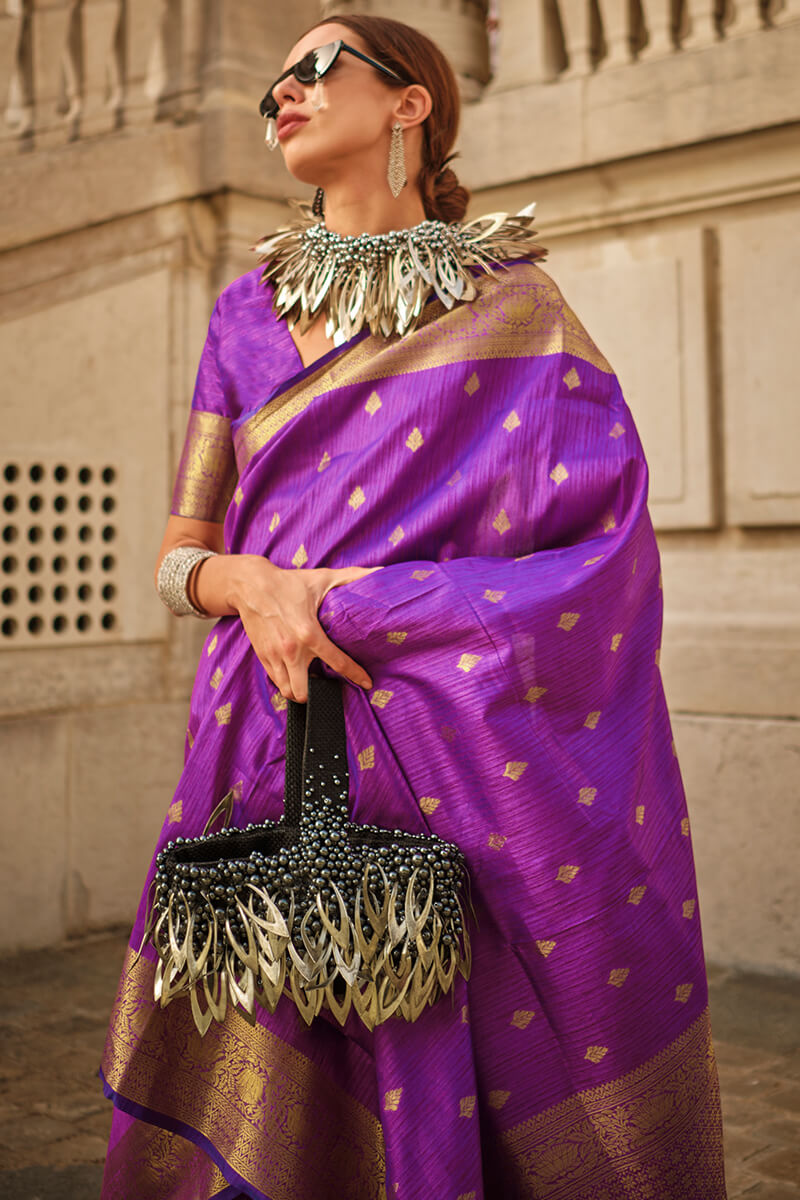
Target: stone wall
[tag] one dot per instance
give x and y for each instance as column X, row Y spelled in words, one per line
column 666, row 177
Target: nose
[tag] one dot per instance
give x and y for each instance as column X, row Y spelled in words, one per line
column 289, row 90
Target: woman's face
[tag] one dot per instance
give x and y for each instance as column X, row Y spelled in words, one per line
column 354, row 124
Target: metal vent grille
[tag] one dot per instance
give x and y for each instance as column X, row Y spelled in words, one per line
column 58, row 575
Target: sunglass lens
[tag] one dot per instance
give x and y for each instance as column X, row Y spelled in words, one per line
column 325, row 56
column 306, row 69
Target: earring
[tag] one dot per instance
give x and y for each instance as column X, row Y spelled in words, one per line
column 318, row 207
column 318, row 95
column 271, row 133
column 396, row 174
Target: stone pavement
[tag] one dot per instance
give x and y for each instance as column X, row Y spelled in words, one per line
column 54, row 1119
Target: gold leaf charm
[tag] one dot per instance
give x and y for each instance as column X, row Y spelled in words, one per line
column 391, row 1101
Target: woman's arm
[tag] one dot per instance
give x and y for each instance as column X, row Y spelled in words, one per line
column 278, row 608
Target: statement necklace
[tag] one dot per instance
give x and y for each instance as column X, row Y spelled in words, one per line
column 383, row 280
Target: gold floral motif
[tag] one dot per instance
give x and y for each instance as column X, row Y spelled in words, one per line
column 414, row 439
column 397, row 535
column 278, row 702
column 472, row 384
column 658, row 657
column 535, row 693
column 465, row 1014
column 572, row 379
column 591, row 561
column 223, row 714
column 212, row 645
column 522, row 1018
column 655, row 1132
column 640, row 814
column 381, row 697
column 429, row 804
column 636, row 893
column 216, row 678
column 498, row 1098
column 366, row 758
column 356, row 498
column 683, row 991
column 586, row 795
column 300, row 557
column 373, row 404
column 420, row 574
column 466, row 1196
column 396, row 636
column 175, row 812
column 635, row 565
column 513, row 770
column 190, row 738
column 493, row 597
column 617, row 430
column 501, row 522
column 545, row 947
column 275, row 522
column 238, row 496
column 391, row 1100
column 595, row 1053
column 454, row 479
column 566, row 873
column 467, row 661
column 592, row 719
column 688, row 909
column 568, row 620
column 685, row 827
column 559, row 473
column 512, row 421
column 466, row 1106
column 448, row 733
column 609, row 523
column 615, row 641
column 497, row 841
column 618, row 976
column 324, row 461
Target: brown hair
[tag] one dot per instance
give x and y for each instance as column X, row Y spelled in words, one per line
column 419, row 60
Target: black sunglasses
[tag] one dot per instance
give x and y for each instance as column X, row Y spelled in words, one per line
column 313, row 66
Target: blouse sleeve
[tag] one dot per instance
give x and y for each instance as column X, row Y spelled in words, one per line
column 207, row 473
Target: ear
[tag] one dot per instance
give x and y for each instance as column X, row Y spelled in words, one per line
column 412, row 106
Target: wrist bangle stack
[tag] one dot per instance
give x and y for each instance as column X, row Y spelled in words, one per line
column 173, row 578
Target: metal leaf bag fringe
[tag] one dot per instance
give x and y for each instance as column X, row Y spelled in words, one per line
column 384, row 279
column 329, row 912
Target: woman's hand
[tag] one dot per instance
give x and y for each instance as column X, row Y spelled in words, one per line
column 278, row 609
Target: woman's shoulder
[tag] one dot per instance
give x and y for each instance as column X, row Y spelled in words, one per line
column 245, row 292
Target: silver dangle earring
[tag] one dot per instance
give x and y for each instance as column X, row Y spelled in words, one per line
column 396, row 174
column 318, row 95
column 271, row 133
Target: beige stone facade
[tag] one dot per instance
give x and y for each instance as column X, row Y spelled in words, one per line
column 661, row 144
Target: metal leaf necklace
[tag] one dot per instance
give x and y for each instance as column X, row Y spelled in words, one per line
column 383, row 280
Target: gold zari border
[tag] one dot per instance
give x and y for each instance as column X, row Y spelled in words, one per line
column 655, row 1133
column 280, row 1121
column 207, row 471
column 518, row 314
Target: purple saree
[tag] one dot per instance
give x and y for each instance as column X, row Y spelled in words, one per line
column 489, row 463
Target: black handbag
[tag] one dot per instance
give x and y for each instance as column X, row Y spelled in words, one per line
column 329, row 912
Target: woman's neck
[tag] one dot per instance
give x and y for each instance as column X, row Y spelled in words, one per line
column 351, row 211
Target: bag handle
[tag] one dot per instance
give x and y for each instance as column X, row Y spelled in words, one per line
column 317, row 724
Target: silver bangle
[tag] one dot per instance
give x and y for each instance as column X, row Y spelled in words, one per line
column 173, row 576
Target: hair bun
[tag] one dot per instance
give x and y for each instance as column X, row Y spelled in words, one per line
column 449, row 198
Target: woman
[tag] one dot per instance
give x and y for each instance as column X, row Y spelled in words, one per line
column 448, row 510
